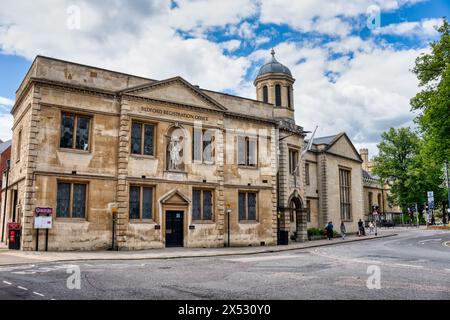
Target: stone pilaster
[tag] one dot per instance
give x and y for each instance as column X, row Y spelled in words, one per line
column 30, row 160
column 283, row 176
column 122, row 173
column 273, row 164
column 323, row 190
column 221, row 206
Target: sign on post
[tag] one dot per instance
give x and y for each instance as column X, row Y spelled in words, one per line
column 430, row 195
column 43, row 222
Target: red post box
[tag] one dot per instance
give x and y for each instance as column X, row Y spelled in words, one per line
column 14, row 233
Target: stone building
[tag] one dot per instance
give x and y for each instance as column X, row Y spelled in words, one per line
column 5, row 155
column 333, row 183
column 376, row 192
column 178, row 162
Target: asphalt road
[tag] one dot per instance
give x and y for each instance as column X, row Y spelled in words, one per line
column 413, row 265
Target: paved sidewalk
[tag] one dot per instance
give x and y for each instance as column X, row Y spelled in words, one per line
column 8, row 257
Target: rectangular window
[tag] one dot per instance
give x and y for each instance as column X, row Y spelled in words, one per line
column 74, row 132
column 308, row 210
column 203, row 146
column 71, row 200
column 293, row 162
column 307, row 174
column 141, row 203
column 142, row 139
column 19, row 145
column 247, row 151
column 345, row 187
column 370, row 201
column 202, row 205
column 248, row 207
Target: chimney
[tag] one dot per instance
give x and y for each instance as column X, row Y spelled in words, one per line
column 365, row 157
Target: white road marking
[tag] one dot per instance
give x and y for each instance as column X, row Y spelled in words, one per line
column 8, row 283
column 447, row 244
column 22, row 288
column 429, row 240
column 253, row 259
column 38, row 294
column 408, row 265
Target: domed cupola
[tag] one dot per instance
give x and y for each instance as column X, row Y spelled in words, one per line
column 273, row 67
column 274, row 85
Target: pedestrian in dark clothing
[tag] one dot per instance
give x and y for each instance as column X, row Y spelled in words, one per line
column 329, row 229
column 362, row 231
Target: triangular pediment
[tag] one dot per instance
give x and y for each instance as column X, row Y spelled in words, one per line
column 175, row 198
column 175, row 90
column 343, row 146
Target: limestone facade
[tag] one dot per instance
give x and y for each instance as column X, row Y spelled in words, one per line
column 75, row 128
column 333, row 183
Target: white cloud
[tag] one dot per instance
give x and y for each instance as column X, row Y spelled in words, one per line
column 6, row 102
column 423, row 28
column 321, row 15
column 6, row 121
column 363, row 96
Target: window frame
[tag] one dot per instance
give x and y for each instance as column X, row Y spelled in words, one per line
column 292, row 153
column 308, row 210
column 213, row 141
column 71, row 197
column 76, row 115
column 289, row 96
column 202, row 219
column 278, row 95
column 265, row 90
column 345, row 188
column 246, row 220
column 143, row 125
column 247, row 140
column 141, row 203
column 19, row 146
column 307, row 177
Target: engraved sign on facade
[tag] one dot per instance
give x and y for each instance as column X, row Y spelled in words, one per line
column 174, row 114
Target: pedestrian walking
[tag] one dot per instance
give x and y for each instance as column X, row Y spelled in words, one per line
column 343, row 230
column 362, row 232
column 371, row 227
column 329, row 229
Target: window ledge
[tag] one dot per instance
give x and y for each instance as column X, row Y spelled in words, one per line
column 248, row 222
column 142, row 157
column 248, row 167
column 74, row 151
column 71, row 220
column 147, row 222
column 203, row 222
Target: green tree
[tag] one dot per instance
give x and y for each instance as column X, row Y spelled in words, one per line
column 398, row 150
column 433, row 101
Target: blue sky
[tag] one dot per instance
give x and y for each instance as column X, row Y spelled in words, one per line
column 349, row 77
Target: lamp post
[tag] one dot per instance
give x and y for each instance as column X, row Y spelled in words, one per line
column 447, row 180
column 228, row 228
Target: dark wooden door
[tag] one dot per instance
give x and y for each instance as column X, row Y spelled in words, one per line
column 174, row 229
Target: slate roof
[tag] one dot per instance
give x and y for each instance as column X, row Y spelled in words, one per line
column 5, row 145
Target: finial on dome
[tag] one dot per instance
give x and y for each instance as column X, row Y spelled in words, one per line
column 273, row 54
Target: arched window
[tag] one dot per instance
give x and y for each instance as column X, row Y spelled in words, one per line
column 289, row 97
column 278, row 95
column 265, row 94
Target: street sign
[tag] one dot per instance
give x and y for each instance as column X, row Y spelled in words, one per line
column 430, row 195
column 43, row 211
column 43, row 222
